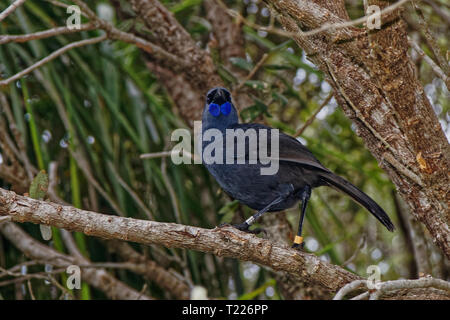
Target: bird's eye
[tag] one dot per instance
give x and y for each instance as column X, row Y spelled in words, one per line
column 214, row 109
column 225, row 108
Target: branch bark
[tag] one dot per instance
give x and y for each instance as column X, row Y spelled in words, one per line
column 376, row 85
column 150, row 270
column 98, row 278
column 226, row 241
column 11, row 9
column 383, row 288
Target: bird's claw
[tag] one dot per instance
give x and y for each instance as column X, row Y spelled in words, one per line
column 245, row 227
column 299, row 246
column 224, row 224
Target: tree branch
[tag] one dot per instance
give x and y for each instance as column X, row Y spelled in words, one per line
column 11, row 9
column 436, row 69
column 45, row 34
column 98, row 278
column 169, row 280
column 387, row 286
column 226, row 241
column 377, row 88
column 52, row 56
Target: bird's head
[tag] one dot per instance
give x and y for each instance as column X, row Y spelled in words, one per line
column 219, row 111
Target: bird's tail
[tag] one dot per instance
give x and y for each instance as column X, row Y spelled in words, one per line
column 363, row 199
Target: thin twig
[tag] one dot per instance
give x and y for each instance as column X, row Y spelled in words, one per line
column 336, row 26
column 384, row 287
column 311, row 119
column 11, row 9
column 163, row 154
column 21, row 149
column 437, row 70
column 155, row 155
column 438, row 11
column 111, row 33
column 116, row 34
column 171, row 190
column 144, row 288
column 252, row 72
column 426, row 282
column 356, row 110
column 132, row 193
column 362, row 296
column 52, row 56
column 401, row 168
column 45, row 34
column 83, row 164
column 30, row 289
column 63, row 5
column 361, row 244
column 12, row 271
column 430, row 39
column 53, row 182
column 19, row 277
column 352, row 286
column 324, row 27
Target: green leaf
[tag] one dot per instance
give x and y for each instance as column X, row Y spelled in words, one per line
column 126, row 25
column 241, row 63
column 226, row 74
column 253, row 35
column 257, row 291
column 186, row 4
column 39, row 186
column 228, row 211
column 277, row 67
column 251, row 113
column 278, row 96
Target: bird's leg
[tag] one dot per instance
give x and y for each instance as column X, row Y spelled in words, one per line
column 298, row 241
column 244, row 226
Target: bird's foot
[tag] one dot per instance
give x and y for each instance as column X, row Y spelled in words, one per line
column 299, row 246
column 225, row 224
column 244, row 226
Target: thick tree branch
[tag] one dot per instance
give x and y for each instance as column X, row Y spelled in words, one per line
column 98, row 278
column 167, row 279
column 377, row 88
column 226, row 241
column 384, row 288
column 176, row 40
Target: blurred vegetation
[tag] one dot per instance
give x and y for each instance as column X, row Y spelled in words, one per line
column 100, row 103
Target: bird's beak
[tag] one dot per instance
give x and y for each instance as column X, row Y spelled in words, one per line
column 220, row 93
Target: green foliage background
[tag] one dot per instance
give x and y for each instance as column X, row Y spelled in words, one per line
column 102, row 103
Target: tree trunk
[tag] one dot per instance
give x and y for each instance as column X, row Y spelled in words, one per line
column 376, row 85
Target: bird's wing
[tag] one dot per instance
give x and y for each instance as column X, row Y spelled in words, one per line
column 294, row 151
column 290, row 149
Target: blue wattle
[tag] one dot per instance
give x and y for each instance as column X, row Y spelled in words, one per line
column 225, row 108
column 214, row 109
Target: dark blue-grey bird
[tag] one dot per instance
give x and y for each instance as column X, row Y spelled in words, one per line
column 299, row 171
